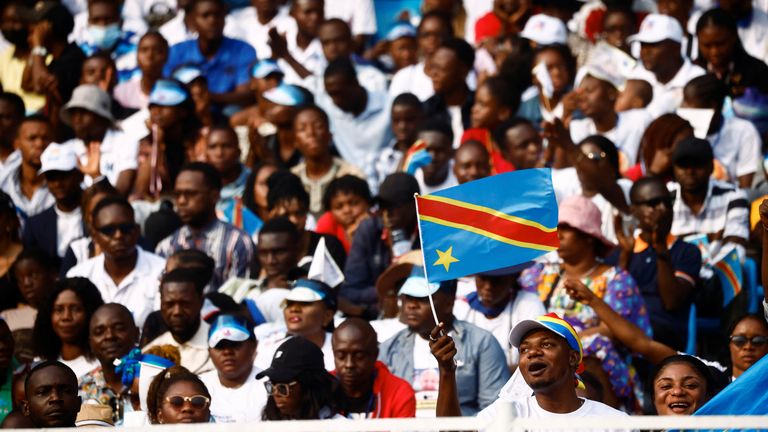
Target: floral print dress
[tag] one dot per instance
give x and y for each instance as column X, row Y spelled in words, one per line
column 616, row 288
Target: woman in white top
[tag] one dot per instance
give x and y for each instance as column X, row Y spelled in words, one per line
column 61, row 326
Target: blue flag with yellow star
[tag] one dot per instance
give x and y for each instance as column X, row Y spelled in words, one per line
column 488, row 224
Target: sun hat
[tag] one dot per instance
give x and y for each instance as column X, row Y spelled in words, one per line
column 579, row 212
column 285, row 94
column 91, row 98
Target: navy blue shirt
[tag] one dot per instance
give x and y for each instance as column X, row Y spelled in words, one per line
column 669, row 327
column 227, row 69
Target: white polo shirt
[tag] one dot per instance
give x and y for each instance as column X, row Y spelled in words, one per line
column 310, row 57
column 667, row 97
column 138, row 291
column 737, row 147
column 10, row 183
column 119, row 152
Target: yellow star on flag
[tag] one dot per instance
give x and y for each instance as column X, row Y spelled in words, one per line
column 446, row 258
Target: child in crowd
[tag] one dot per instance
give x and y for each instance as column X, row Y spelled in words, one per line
column 151, row 55
column 637, row 94
column 347, row 202
column 406, row 115
column 519, row 142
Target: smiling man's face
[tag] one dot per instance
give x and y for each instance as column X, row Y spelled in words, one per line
column 546, row 360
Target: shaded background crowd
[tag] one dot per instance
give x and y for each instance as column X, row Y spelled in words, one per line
column 207, row 205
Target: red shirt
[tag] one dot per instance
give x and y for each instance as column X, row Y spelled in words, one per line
column 393, row 397
column 487, row 26
column 328, row 225
column 498, row 163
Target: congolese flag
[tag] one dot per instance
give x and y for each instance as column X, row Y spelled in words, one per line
column 416, row 157
column 488, row 224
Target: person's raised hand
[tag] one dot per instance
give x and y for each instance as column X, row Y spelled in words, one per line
column 277, row 43
column 578, row 291
column 443, row 348
column 91, row 168
column 556, row 133
column 570, row 105
column 626, row 240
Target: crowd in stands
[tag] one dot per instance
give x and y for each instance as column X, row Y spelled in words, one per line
column 207, row 207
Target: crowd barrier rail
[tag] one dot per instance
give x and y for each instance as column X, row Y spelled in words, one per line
column 630, row 423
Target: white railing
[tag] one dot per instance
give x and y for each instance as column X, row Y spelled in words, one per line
column 587, row 424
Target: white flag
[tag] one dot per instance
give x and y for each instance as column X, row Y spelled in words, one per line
column 545, row 81
column 324, row 268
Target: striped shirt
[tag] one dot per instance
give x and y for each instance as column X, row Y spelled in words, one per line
column 725, row 209
column 230, row 247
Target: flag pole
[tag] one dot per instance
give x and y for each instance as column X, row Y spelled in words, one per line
column 424, row 259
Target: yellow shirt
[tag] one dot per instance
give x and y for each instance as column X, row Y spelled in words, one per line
column 11, row 71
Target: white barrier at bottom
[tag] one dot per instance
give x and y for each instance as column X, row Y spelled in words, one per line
column 469, row 424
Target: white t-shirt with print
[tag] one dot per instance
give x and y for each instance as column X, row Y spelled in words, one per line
column 243, row 404
column 529, row 408
column 426, row 378
column 119, row 152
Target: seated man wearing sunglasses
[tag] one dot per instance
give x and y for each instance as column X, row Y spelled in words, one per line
column 123, row 272
column 665, row 267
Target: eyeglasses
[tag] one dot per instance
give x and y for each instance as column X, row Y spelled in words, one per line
column 654, row 202
column 110, row 230
column 196, row 401
column 279, row 389
column 756, row 341
column 593, row 156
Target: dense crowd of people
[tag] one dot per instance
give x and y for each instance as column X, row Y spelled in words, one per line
column 207, row 207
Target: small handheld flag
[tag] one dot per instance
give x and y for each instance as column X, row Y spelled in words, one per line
column 488, row 224
column 545, row 81
column 416, row 157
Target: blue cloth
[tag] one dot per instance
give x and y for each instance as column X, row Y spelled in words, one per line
column 227, row 69
column 482, row 371
column 123, row 53
column 669, row 327
column 746, row 395
column 368, row 257
column 481, row 226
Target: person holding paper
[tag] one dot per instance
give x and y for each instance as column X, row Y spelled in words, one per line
column 555, row 68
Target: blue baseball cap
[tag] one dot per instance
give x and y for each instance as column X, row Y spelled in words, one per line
column 416, row 285
column 168, row 93
column 310, row 290
column 188, row 73
column 400, row 30
column 230, row 328
column 285, row 94
column 265, row 68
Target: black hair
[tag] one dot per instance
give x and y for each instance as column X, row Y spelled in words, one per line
column 33, row 118
column 15, row 101
column 113, row 201
column 717, row 17
column 444, row 17
column 192, row 275
column 44, row 365
column 197, row 259
column 342, row 66
column 740, row 318
column 449, row 287
column 347, row 184
column 248, row 193
column 337, row 21
column 644, row 91
column 409, row 100
column 284, row 186
column 319, row 390
column 164, row 380
column 499, row 134
column 37, row 255
column 280, row 225
column 211, row 177
column 463, row 50
column 606, row 146
column 193, row 3
column 62, row 21
column 46, row 343
column 504, row 93
column 707, row 89
column 566, row 54
column 154, row 33
column 516, row 68
column 624, row 8
column 434, row 124
column 699, row 366
column 224, row 127
column 312, row 107
column 8, row 209
column 643, row 182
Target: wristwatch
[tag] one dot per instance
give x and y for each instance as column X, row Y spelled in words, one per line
column 39, row 51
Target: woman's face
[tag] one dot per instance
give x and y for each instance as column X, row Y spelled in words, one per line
column 557, row 68
column 33, row 280
column 716, row 45
column 174, row 410
column 68, row 316
column 748, row 344
column 573, row 243
column 261, row 189
column 290, row 404
column 346, row 208
column 306, row 318
column 678, row 389
column 485, row 109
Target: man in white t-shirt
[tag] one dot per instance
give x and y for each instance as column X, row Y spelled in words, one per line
column 236, row 395
column 661, row 64
column 550, row 358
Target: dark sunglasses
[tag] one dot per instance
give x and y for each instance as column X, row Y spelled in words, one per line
column 279, row 389
column 756, row 341
column 196, row 401
column 110, row 230
column 654, row 202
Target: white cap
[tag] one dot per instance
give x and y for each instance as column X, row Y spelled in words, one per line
column 545, row 30
column 656, row 28
column 600, row 72
column 57, row 157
